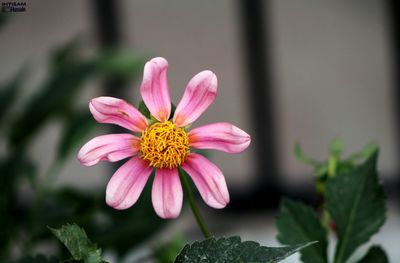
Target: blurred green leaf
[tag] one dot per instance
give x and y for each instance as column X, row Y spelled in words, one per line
column 77, row 127
column 321, row 171
column 78, row 244
column 55, row 97
column 356, row 202
column 375, row 255
column 298, row 223
column 166, row 252
column 9, row 92
column 336, row 147
column 118, row 227
column 233, row 250
column 301, row 156
column 120, row 63
column 35, row 259
column 68, row 54
column 13, row 213
column 112, row 229
column 365, row 153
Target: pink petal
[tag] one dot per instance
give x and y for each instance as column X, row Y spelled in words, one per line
column 116, row 111
column 154, row 89
column 111, row 147
column 219, row 136
column 199, row 94
column 167, row 195
column 208, row 179
column 127, row 183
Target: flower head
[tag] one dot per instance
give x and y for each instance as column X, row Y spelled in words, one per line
column 163, row 143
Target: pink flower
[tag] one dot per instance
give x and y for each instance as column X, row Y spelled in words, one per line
column 163, row 143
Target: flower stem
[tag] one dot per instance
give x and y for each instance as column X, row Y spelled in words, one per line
column 193, row 206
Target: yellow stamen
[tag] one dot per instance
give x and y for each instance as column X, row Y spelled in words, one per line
column 164, row 145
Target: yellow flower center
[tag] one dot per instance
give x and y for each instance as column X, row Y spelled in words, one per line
column 164, row 145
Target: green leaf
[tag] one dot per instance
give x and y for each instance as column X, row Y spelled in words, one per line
column 144, row 110
column 77, row 127
column 232, row 250
column 375, row 255
column 298, row 223
column 167, row 252
column 78, row 244
column 356, row 202
column 173, row 108
column 35, row 259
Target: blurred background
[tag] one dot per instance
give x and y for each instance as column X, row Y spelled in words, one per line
column 288, row 71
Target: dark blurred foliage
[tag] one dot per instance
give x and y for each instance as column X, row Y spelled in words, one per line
column 168, row 251
column 3, row 19
column 24, row 216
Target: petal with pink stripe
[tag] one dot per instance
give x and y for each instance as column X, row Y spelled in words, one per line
column 119, row 112
column 200, row 92
column 208, row 179
column 127, row 183
column 111, row 147
column 154, row 89
column 219, row 136
column 167, row 195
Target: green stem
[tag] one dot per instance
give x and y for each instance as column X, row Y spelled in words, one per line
column 193, row 206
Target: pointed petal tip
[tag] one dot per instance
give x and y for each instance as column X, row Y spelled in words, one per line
column 220, row 136
column 82, row 160
column 219, row 205
column 117, row 111
column 208, row 179
column 245, row 138
column 82, row 157
column 168, row 216
column 109, row 147
column 103, row 100
column 199, row 94
column 167, row 194
column 154, row 88
column 127, row 183
column 160, row 61
column 115, row 205
column 211, row 75
column 208, row 75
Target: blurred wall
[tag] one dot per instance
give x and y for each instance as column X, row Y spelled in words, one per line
column 330, row 70
column 332, row 73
